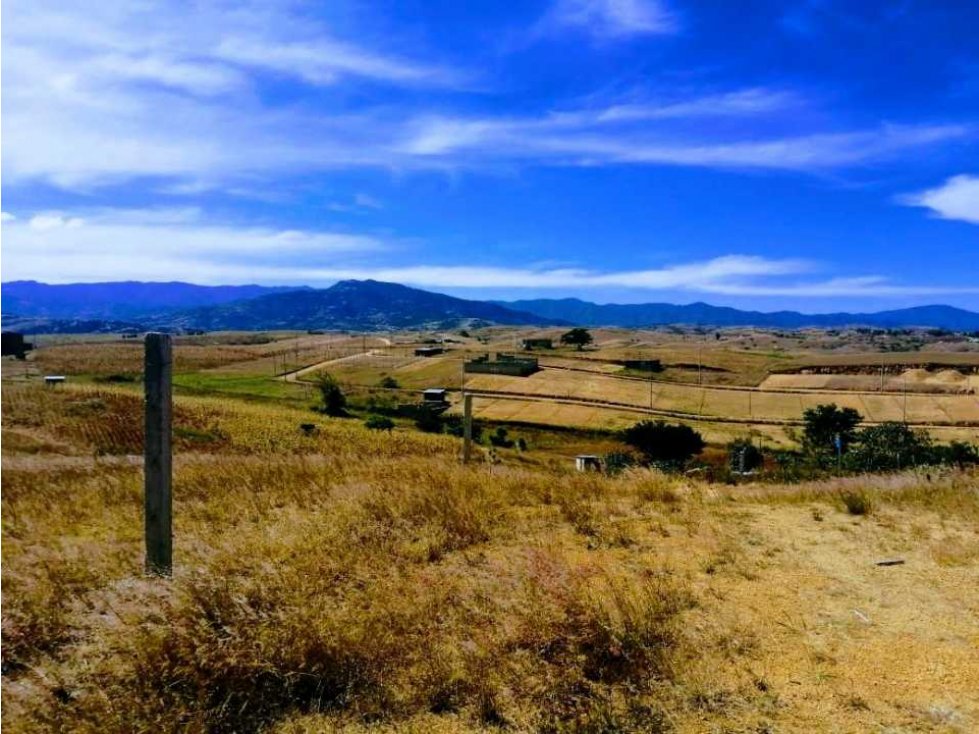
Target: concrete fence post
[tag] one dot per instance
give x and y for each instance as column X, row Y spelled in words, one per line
column 157, row 467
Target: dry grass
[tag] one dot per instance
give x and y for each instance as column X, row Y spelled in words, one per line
column 351, row 581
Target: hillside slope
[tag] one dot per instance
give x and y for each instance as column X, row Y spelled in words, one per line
column 351, row 304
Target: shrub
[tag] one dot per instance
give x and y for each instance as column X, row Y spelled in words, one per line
column 428, row 421
column 334, row 401
column 389, row 383
column 379, row 423
column 453, row 425
column 617, row 462
column 500, row 440
column 664, row 443
column 889, row 446
column 743, row 455
column 957, row 453
column 856, row 502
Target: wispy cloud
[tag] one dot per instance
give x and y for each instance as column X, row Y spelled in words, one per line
column 610, row 19
column 184, row 244
column 94, row 98
column 103, row 93
column 147, row 244
column 957, row 198
column 594, row 139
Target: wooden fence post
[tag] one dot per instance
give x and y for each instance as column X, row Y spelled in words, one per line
column 467, row 427
column 157, row 467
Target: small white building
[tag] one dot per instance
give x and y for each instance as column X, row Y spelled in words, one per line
column 587, row 462
column 437, row 395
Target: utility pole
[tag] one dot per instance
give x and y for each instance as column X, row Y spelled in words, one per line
column 157, row 466
column 905, row 400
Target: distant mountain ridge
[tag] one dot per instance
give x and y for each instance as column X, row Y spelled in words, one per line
column 584, row 313
column 354, row 305
column 118, row 301
column 372, row 305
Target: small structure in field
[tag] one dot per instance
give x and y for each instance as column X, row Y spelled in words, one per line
column 13, row 343
column 435, row 400
column 53, row 380
column 587, row 462
column 502, row 364
column 435, row 396
column 535, row 343
column 428, row 351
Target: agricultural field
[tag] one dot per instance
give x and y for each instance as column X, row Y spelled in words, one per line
column 725, row 383
column 349, row 580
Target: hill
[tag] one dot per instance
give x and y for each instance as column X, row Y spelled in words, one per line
column 353, row 581
column 352, row 304
column 122, row 301
column 703, row 314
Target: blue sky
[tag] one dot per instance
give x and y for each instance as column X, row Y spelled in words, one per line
column 814, row 154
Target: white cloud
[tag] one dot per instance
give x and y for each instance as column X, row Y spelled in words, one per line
column 957, row 198
column 580, row 140
column 325, row 60
column 119, row 91
column 183, row 244
column 611, row 18
column 7, row 217
column 112, row 244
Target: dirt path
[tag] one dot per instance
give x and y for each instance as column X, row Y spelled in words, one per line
column 294, row 375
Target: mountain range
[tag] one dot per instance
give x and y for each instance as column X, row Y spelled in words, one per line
column 584, row 313
column 371, row 305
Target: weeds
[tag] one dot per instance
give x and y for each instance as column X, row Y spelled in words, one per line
column 856, row 502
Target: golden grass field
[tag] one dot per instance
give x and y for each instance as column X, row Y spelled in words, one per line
column 359, row 581
column 354, row 581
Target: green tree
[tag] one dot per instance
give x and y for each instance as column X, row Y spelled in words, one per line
column 334, row 401
column 664, row 443
column 889, row 446
column 578, row 337
column 389, row 383
column 822, row 426
column 956, row 453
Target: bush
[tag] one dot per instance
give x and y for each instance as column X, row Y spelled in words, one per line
column 379, row 423
column 856, row 502
column 957, row 453
column 617, row 462
column 334, row 401
column 453, row 425
column 500, row 440
column 428, row 421
column 389, row 383
column 743, row 455
column 663, row 443
column 889, row 446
